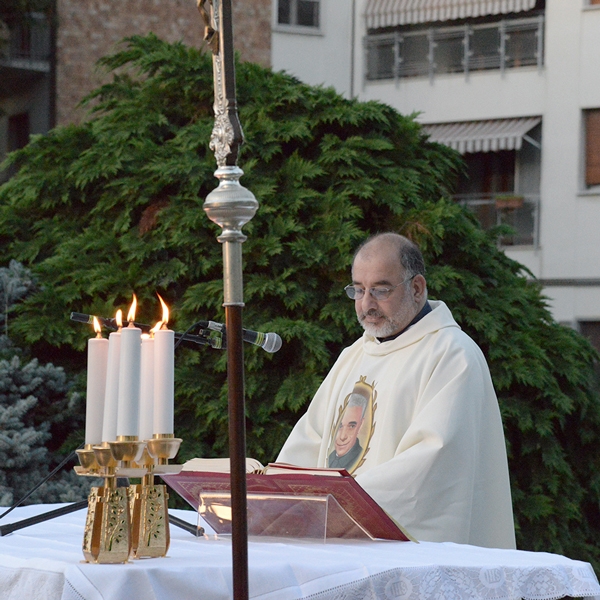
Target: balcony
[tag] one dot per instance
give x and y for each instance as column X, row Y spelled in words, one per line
column 520, row 212
column 27, row 46
column 500, row 45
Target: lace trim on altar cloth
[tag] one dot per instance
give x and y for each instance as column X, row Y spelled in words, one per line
column 460, row 583
column 70, row 593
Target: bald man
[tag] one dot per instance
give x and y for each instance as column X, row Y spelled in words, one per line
column 428, row 445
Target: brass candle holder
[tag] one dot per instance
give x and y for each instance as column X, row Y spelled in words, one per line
column 127, row 450
column 163, row 447
column 87, row 460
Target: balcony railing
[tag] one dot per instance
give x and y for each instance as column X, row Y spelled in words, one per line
column 28, row 44
column 504, row 44
column 520, row 212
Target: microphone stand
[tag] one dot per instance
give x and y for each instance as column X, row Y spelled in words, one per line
column 230, row 206
column 74, row 507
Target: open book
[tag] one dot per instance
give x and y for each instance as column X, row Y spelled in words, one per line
column 281, row 493
column 221, row 465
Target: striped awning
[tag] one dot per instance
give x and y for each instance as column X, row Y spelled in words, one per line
column 482, row 136
column 389, row 13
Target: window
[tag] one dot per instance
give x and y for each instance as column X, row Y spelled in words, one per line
column 18, row 131
column 522, row 45
column 299, row 13
column 18, row 137
column 592, row 147
column 449, row 51
column 504, row 44
column 381, row 58
column 591, row 329
column 502, row 187
column 484, row 48
column 414, row 55
column 488, row 173
column 488, row 190
column 30, row 40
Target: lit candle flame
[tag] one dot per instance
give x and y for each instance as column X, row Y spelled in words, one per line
column 131, row 313
column 97, row 327
column 119, row 318
column 165, row 315
column 156, row 328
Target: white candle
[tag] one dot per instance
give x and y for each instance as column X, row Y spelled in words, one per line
column 147, row 389
column 96, row 389
column 111, row 398
column 164, row 380
column 128, row 414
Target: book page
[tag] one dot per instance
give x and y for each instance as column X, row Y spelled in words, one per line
column 219, row 465
column 278, row 468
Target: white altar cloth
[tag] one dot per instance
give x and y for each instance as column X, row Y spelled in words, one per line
column 45, row 561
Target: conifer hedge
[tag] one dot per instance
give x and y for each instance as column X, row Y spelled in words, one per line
column 114, row 206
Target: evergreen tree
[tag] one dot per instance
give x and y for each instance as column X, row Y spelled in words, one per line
column 114, row 206
column 23, row 456
column 38, row 411
column 34, row 399
column 15, row 283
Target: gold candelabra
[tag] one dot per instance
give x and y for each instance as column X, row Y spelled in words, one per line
column 127, row 522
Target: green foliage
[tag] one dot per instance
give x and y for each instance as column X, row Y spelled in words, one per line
column 35, row 401
column 114, row 206
column 15, row 283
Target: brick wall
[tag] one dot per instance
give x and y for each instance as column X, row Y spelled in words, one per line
column 90, row 29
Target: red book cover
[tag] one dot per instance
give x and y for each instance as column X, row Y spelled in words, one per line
column 350, row 496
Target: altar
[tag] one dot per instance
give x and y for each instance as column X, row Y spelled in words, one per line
column 45, row 561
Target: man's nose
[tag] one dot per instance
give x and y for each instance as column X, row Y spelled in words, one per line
column 368, row 301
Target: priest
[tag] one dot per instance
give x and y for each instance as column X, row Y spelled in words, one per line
column 410, row 410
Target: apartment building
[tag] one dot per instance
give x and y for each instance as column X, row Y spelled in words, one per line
column 514, row 85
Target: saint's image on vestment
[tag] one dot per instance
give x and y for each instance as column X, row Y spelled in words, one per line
column 353, row 427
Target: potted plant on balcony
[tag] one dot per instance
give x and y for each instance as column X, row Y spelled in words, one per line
column 509, row 201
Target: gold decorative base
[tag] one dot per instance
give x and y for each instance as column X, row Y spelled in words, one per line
column 106, row 538
column 150, row 526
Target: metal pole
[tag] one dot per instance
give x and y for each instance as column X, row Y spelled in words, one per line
column 231, row 206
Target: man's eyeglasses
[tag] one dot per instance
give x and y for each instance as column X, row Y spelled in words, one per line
column 379, row 293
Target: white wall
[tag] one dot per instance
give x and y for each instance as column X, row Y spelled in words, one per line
column 483, row 95
column 318, row 57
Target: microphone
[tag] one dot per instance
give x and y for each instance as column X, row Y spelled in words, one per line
column 269, row 342
column 109, row 323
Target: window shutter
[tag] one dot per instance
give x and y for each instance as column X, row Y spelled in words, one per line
column 592, row 147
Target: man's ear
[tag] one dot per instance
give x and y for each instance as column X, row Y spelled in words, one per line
column 419, row 288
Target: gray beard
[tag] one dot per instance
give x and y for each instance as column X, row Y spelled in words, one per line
column 389, row 327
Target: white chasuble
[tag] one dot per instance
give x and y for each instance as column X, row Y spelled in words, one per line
column 416, row 420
